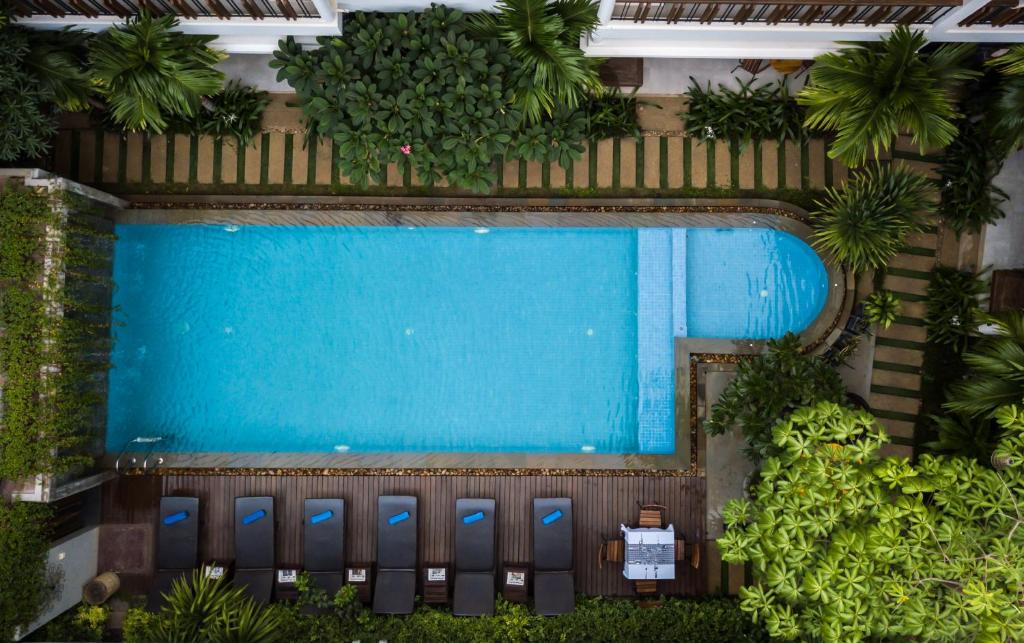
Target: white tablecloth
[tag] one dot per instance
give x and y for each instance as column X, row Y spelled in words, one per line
column 650, row 553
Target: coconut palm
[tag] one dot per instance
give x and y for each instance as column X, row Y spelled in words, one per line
column 995, row 375
column 148, row 72
column 871, row 92
column 866, row 222
column 545, row 38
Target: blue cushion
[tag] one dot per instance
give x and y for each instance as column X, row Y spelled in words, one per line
column 253, row 517
column 397, row 518
column 471, row 518
column 551, row 517
column 320, row 517
column 175, row 517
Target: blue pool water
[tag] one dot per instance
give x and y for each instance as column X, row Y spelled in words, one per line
column 321, row 339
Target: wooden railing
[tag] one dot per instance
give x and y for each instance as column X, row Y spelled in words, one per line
column 772, row 12
column 185, row 9
column 998, row 13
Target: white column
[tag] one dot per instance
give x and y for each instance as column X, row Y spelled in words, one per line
column 604, row 12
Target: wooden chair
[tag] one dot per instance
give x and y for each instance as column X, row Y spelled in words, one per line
column 611, row 551
column 681, row 548
column 753, row 66
column 652, row 516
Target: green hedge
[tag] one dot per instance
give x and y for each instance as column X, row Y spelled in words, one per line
column 23, row 547
column 43, row 418
column 595, row 620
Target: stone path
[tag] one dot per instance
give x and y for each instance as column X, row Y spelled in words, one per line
column 899, row 350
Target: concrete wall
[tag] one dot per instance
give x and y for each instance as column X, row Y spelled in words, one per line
column 71, row 564
column 1004, row 241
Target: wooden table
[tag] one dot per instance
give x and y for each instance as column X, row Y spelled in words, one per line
column 515, row 582
column 435, row 584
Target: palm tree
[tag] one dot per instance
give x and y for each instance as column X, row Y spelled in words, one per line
column 866, row 223
column 148, row 72
column 1010, row 106
column 996, row 370
column 57, row 60
column 871, row 92
column 545, row 38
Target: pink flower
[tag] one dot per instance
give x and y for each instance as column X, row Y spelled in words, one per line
column 406, row 149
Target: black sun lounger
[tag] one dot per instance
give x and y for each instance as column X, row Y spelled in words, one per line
column 254, row 546
column 396, row 555
column 177, row 545
column 474, row 557
column 323, row 542
column 553, row 586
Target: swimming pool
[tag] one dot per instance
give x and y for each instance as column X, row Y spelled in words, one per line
column 376, row 339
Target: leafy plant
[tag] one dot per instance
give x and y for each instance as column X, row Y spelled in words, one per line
column 882, row 307
column 995, row 375
column 846, row 546
column 27, row 118
column 963, row 435
column 611, row 114
column 866, row 222
column 746, row 114
column 149, row 73
column 969, row 199
column 201, row 608
column 953, row 310
column 1009, row 110
column 871, row 92
column 544, row 36
column 58, row 62
column 236, row 111
column 23, row 549
column 767, row 388
column 83, row 623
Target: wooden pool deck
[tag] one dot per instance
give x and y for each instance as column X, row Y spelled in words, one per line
column 601, row 503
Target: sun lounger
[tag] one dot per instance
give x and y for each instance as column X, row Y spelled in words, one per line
column 554, row 589
column 323, row 540
column 395, row 588
column 177, row 545
column 254, row 546
column 475, row 565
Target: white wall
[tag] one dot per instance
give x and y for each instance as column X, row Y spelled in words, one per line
column 72, row 562
column 1004, row 241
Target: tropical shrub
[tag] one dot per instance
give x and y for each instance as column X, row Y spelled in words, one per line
column 149, row 73
column 964, row 435
column 544, row 37
column 953, row 311
column 594, row 620
column 44, row 417
column 23, row 549
column 58, row 62
column 83, row 623
column 745, row 114
column 846, row 546
column 865, row 223
column 767, row 388
column 882, row 307
column 611, row 114
column 868, row 93
column 995, row 369
column 236, row 111
column 27, row 117
column 1009, row 110
column 969, row 199
column 201, row 608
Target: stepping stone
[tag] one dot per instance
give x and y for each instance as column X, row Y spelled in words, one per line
column 905, row 284
column 896, row 451
column 905, row 332
column 883, row 377
column 899, row 355
column 627, row 162
column 912, row 262
column 898, row 428
column 884, row 402
column 923, row 240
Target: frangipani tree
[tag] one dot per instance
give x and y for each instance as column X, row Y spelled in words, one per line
column 847, row 546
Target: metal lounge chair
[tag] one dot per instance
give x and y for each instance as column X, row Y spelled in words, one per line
column 254, row 546
column 554, row 590
column 395, row 587
column 177, row 545
column 475, row 565
column 323, row 542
